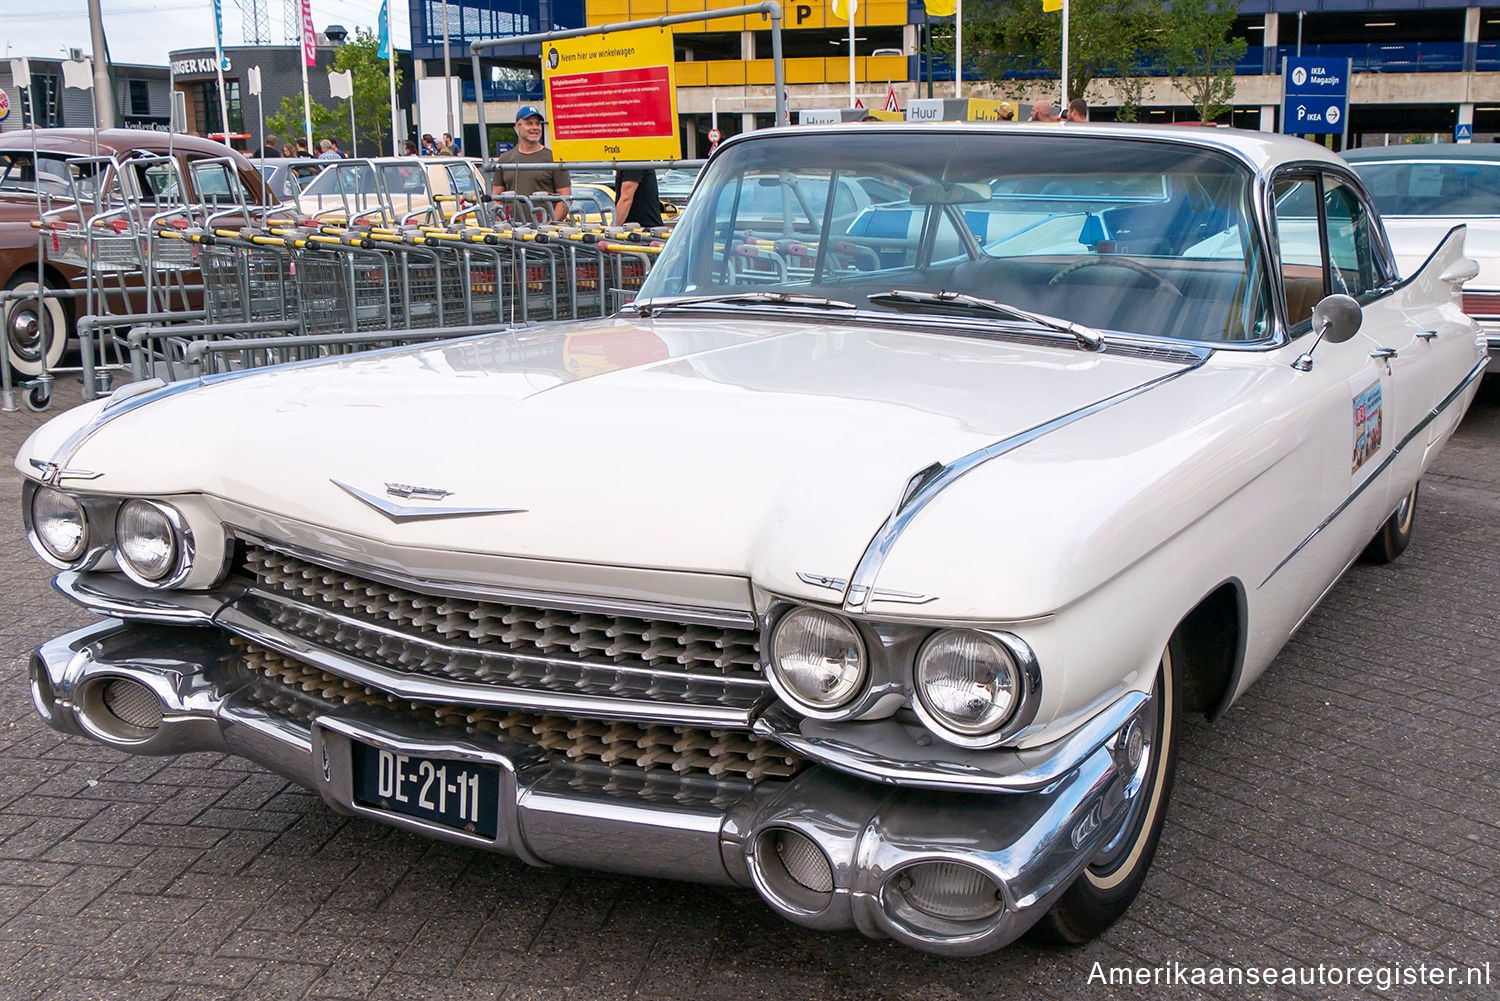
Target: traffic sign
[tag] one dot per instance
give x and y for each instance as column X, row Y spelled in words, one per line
column 1463, row 132
column 1315, row 95
column 714, row 135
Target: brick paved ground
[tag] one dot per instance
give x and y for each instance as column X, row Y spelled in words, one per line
column 1345, row 812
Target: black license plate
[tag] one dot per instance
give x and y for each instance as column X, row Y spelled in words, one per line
column 458, row 794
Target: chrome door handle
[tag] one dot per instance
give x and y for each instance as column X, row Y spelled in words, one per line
column 1385, row 355
column 1427, row 335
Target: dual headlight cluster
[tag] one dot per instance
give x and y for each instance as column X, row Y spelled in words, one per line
column 148, row 540
column 967, row 683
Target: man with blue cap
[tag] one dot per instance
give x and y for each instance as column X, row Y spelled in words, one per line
column 529, row 149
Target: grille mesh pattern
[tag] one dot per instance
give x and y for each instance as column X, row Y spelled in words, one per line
column 590, row 638
column 133, row 703
column 621, row 745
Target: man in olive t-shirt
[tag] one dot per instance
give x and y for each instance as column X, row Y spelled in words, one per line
column 529, row 149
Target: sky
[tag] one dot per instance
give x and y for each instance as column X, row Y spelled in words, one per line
column 144, row 31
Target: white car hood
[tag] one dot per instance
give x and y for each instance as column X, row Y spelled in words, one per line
column 1414, row 238
column 703, row 446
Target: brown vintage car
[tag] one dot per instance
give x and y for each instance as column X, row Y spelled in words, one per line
column 36, row 175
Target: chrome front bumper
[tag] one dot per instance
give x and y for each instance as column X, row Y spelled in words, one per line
column 1032, row 844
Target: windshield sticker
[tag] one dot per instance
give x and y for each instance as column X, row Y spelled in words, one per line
column 1366, row 425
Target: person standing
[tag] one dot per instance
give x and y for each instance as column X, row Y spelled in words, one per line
column 270, row 146
column 1078, row 110
column 636, row 198
column 329, row 151
column 1041, row 111
column 529, row 148
column 453, row 144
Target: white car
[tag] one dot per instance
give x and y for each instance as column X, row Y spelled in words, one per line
column 388, row 190
column 1422, row 191
column 877, row 572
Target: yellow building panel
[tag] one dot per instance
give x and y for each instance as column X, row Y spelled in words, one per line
column 809, row 15
column 892, row 68
column 837, row 70
column 882, row 12
column 721, row 72
column 608, row 11
column 804, row 70
column 723, row 24
column 691, row 74
column 683, row 6
column 760, row 72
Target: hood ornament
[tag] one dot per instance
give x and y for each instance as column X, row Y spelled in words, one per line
column 426, row 493
column 417, row 512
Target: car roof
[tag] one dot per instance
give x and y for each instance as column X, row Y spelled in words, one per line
column 1423, row 151
column 81, row 141
column 1261, row 150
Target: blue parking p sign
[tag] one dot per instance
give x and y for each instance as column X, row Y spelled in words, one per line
column 1315, row 95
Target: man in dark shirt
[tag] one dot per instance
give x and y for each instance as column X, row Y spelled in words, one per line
column 636, row 198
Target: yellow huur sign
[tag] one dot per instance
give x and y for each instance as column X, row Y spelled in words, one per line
column 612, row 97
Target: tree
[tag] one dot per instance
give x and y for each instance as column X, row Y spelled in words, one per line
column 372, row 101
column 1200, row 56
column 1019, row 39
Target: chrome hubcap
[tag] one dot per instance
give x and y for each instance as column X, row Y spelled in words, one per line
column 23, row 329
column 1141, row 749
column 1404, row 511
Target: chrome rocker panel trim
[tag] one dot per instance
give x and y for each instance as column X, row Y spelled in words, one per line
column 1033, row 844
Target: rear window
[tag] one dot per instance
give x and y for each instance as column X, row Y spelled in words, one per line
column 1433, row 187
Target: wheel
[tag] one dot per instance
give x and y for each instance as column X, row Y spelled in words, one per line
column 1395, row 535
column 38, row 397
column 23, row 328
column 1106, row 887
column 1129, row 264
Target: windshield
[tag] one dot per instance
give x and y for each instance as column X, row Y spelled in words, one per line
column 1432, row 187
column 1114, row 233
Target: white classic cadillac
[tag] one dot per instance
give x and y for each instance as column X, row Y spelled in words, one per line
column 871, row 558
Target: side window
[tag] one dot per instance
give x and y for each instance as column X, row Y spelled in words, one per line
column 1299, row 245
column 1350, row 251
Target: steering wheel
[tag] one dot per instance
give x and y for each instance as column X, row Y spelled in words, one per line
column 1127, row 263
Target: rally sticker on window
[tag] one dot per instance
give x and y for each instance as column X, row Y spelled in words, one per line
column 1366, row 425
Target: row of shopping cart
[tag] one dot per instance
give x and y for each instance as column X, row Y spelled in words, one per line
column 326, row 278
column 160, row 273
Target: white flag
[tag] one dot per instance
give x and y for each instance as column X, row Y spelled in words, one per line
column 341, row 84
column 20, row 72
column 78, row 74
column 252, row 80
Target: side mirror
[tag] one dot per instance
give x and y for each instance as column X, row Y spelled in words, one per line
column 1335, row 319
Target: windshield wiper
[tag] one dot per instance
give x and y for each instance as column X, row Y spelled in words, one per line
column 649, row 307
column 1086, row 336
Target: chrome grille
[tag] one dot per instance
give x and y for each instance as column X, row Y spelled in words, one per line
column 290, row 686
column 602, row 639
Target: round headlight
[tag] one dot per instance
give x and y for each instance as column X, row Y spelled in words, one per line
column 147, row 540
column 59, row 524
column 967, row 681
column 818, row 658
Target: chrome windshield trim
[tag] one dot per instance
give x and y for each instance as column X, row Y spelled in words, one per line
column 1421, row 425
column 885, row 751
column 862, row 582
column 689, row 615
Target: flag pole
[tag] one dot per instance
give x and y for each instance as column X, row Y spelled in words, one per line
column 307, row 37
column 958, row 48
column 1064, row 108
column 390, row 56
column 850, row 7
column 219, row 67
